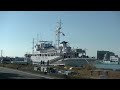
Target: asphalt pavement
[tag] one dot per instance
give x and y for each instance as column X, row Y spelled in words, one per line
column 8, row 73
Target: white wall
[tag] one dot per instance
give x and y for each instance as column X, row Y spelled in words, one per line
column 43, row 58
column 113, row 58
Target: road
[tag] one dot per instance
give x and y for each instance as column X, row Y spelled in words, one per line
column 7, row 73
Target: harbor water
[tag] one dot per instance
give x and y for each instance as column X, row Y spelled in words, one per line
column 108, row 66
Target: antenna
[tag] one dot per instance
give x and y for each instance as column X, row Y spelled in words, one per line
column 37, row 37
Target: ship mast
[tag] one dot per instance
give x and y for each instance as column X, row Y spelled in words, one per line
column 58, row 33
column 1, row 52
column 33, row 47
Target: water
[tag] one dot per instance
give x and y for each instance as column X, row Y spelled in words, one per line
column 108, row 66
column 99, row 65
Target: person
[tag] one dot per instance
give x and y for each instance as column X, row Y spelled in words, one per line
column 45, row 72
column 48, row 63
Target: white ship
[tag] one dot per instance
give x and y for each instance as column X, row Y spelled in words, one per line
column 44, row 52
column 111, row 60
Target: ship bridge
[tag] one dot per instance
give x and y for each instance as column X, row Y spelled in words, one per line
column 43, row 45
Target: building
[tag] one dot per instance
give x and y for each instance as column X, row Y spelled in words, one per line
column 101, row 54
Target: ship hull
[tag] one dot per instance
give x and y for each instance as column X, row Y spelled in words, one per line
column 108, row 62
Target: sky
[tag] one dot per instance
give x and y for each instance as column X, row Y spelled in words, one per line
column 93, row 30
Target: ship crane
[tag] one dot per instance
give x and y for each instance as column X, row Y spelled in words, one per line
column 85, row 51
